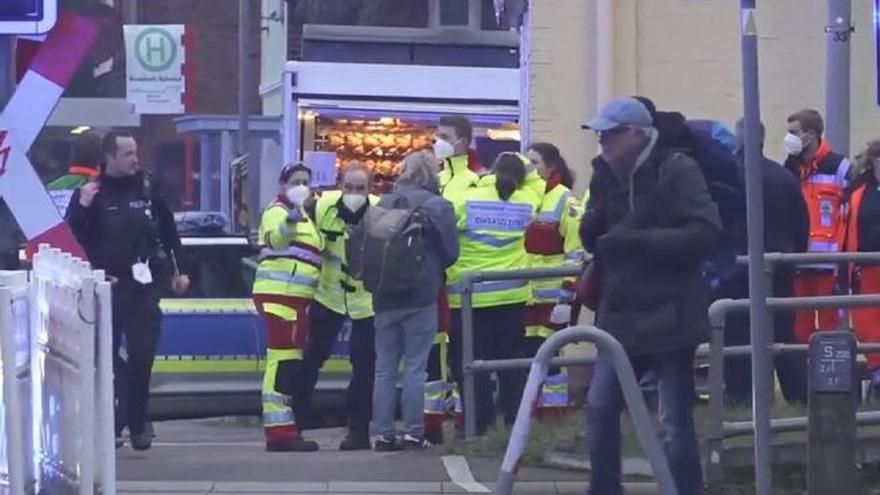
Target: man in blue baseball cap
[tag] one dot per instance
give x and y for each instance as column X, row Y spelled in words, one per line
column 625, row 129
column 649, row 224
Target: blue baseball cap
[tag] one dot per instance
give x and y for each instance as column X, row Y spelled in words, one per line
column 618, row 112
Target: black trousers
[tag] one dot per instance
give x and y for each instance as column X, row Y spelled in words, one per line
column 790, row 368
column 499, row 333
column 323, row 334
column 136, row 316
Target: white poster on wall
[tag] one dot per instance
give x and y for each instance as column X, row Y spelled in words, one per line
column 154, row 76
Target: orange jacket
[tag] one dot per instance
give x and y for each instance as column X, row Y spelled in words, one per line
column 823, row 180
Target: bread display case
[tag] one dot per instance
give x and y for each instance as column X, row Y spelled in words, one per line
column 381, row 144
column 377, row 114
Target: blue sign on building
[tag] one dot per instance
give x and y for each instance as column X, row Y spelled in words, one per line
column 27, row 16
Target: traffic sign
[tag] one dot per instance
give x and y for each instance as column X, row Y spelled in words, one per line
column 22, row 120
column 27, row 16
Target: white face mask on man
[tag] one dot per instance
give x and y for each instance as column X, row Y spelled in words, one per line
column 298, row 194
column 353, row 202
column 793, row 145
column 443, row 149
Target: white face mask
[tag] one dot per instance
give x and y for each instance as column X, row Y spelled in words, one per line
column 793, row 145
column 443, row 149
column 298, row 194
column 353, row 202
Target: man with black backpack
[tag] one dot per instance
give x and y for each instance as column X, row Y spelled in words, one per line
column 128, row 230
column 407, row 242
column 786, row 230
column 649, row 223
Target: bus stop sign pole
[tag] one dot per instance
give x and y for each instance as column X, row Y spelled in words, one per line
column 762, row 392
column 831, row 425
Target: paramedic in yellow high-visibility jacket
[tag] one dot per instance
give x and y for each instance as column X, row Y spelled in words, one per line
column 340, row 296
column 459, row 171
column 492, row 221
column 552, row 241
column 290, row 264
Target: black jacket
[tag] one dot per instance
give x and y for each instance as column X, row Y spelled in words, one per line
column 786, row 218
column 649, row 245
column 127, row 221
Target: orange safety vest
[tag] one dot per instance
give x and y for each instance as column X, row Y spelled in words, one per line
column 823, row 181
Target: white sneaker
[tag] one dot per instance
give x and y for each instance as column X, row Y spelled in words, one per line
column 412, row 443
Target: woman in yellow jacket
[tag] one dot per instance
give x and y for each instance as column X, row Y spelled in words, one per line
column 492, row 221
column 290, row 264
column 552, row 241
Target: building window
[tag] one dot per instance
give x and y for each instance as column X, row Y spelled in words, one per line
column 454, row 12
column 386, row 13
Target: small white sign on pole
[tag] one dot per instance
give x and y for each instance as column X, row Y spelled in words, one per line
column 323, row 165
column 155, row 55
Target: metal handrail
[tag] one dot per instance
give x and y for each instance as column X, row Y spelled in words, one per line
column 717, row 340
column 718, row 312
column 632, row 394
column 467, row 316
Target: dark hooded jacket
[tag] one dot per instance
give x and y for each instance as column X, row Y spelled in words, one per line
column 650, row 234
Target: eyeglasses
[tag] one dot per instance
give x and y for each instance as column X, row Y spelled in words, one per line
column 612, row 132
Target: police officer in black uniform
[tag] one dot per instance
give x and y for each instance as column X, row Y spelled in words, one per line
column 128, row 230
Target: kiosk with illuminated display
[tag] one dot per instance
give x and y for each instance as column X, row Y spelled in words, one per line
column 378, row 113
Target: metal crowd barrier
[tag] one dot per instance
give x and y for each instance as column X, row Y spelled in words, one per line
column 15, row 460
column 57, row 377
column 632, row 394
column 467, row 331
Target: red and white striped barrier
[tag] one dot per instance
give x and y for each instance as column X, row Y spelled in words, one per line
column 40, row 89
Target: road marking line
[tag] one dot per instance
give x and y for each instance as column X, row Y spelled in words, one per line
column 208, row 444
column 460, row 473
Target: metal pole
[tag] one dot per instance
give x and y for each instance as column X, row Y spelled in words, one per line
column 244, row 73
column 7, row 68
column 837, row 74
column 469, row 406
column 609, row 348
column 715, row 436
column 762, row 386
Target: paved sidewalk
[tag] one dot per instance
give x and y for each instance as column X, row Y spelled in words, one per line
column 358, row 488
column 227, row 457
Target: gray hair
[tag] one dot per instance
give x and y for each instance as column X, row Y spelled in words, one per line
column 419, row 170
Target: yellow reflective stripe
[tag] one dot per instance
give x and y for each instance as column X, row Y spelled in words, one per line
column 206, row 365
column 284, row 312
column 539, row 331
column 283, row 354
column 207, row 306
column 441, row 338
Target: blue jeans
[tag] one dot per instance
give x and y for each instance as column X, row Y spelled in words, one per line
column 677, row 397
column 406, row 334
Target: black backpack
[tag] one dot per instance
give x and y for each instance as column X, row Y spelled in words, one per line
column 387, row 249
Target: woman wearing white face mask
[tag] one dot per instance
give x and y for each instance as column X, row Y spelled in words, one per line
column 284, row 286
column 340, row 296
